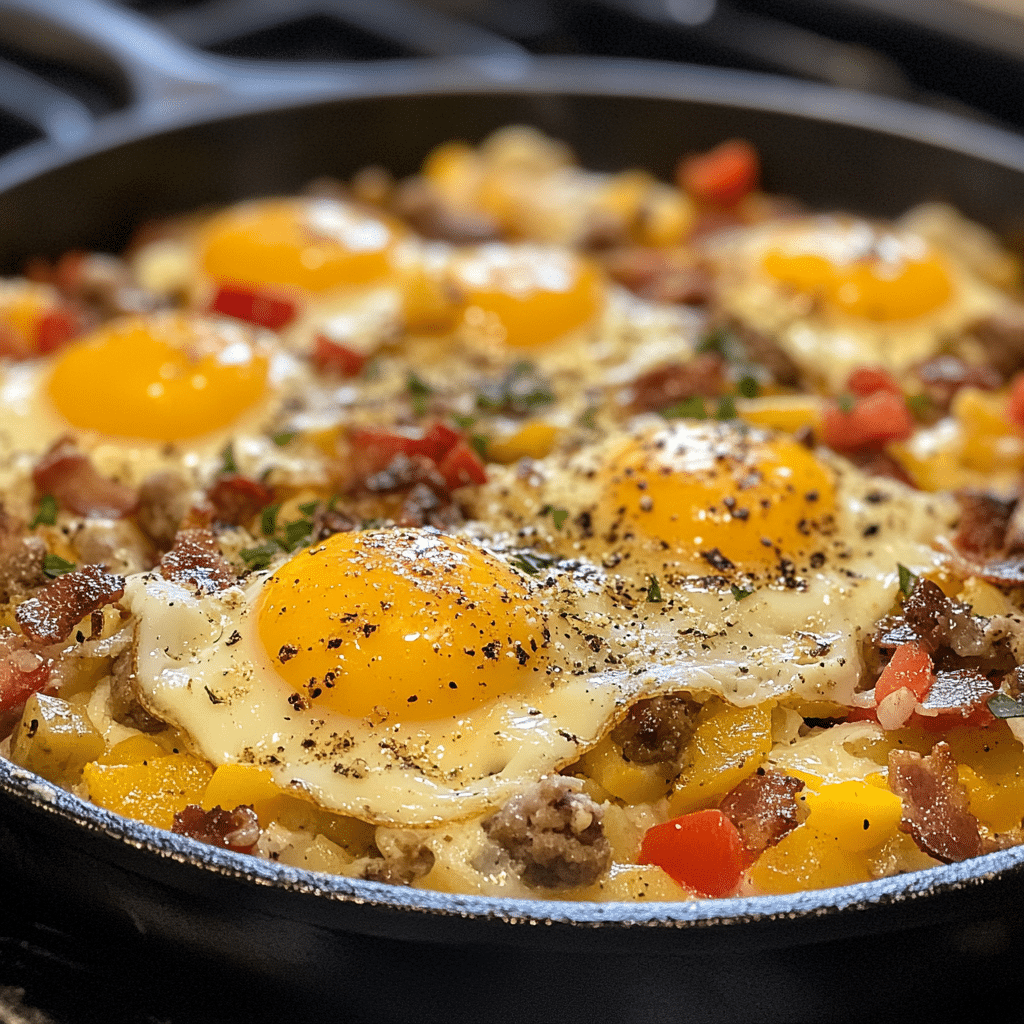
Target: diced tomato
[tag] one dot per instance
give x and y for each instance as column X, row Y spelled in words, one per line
column 702, row 851
column 462, row 466
column 22, row 673
column 1015, row 405
column 721, row 177
column 866, row 380
column 874, row 421
column 56, row 328
column 255, row 306
column 910, row 668
column 378, row 446
column 438, row 441
column 331, row 357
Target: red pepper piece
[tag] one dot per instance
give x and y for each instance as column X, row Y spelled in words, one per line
column 874, row 421
column 702, row 851
column 462, row 466
column 329, row 356
column 255, row 306
column 723, row 176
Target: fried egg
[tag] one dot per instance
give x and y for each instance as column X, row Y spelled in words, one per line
column 408, row 677
column 837, row 292
column 148, row 392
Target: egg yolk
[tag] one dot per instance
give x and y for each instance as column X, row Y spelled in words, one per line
column 863, row 272
column 160, row 378
column 719, row 498
column 410, row 624
column 526, row 295
column 314, row 245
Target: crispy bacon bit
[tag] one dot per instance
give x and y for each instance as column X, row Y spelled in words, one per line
column 69, row 475
column 1002, row 337
column 55, row 610
column 934, row 620
column 656, row 275
column 881, row 464
column 984, row 520
column 196, row 561
column 958, row 696
column 656, row 731
column 237, row 830
column 236, row 499
column 22, row 671
column 553, row 834
column 936, row 810
column 943, row 376
column 331, row 357
column 658, row 389
column 255, row 306
column 763, row 808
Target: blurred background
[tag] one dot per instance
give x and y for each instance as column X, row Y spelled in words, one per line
column 961, row 55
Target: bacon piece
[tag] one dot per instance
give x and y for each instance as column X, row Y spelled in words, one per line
column 943, row 376
column 881, row 464
column 22, row 671
column 704, row 375
column 55, row 610
column 763, row 808
column 656, row 275
column 237, row 830
column 69, row 475
column 935, row 620
column 196, row 561
column 936, row 807
column 984, row 520
column 958, row 696
column 236, row 499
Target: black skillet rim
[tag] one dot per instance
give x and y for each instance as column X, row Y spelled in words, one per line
column 584, row 76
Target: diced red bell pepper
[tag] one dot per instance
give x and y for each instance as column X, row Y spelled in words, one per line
column 722, row 176
column 462, row 466
column 910, row 668
column 379, row 447
column 56, row 328
column 255, row 306
column 22, row 673
column 329, row 356
column 702, row 851
column 1015, row 405
column 866, row 380
column 874, row 421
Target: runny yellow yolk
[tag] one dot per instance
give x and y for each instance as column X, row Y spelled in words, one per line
column 526, row 295
column 160, row 378
column 708, row 493
column 417, row 625
column 861, row 271
column 314, row 245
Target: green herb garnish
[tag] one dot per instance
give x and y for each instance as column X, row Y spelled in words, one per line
column 227, row 459
column 479, row 442
column 907, row 579
column 296, row 532
column 419, row 392
column 54, row 565
column 588, row 420
column 687, row 409
column 726, row 408
column 919, row 405
column 282, row 437
column 747, row 387
column 46, row 514
column 654, row 591
column 739, row 593
column 845, row 402
column 268, row 519
column 1002, row 705
column 260, row 556
column 559, row 516
column 520, row 391
column 307, row 508
column 532, row 563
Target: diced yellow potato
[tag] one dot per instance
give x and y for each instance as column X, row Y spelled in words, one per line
column 631, row 783
column 727, row 745
column 246, row 784
column 534, row 440
column 858, row 814
column 55, row 739
column 322, row 855
column 807, row 859
column 453, row 168
column 985, row 599
column 427, row 304
column 788, row 413
column 152, row 791
column 667, row 217
column 635, row 883
column 134, row 750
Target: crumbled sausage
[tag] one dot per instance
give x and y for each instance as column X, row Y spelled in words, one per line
column 404, row 857
column 984, row 520
column 762, row 350
column 763, row 808
column 656, row 731
column 553, row 834
column 943, row 376
column 21, row 558
column 164, row 501
column 116, row 544
column 124, row 699
column 936, row 807
column 1001, row 335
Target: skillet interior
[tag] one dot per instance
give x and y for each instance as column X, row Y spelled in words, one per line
column 725, row 960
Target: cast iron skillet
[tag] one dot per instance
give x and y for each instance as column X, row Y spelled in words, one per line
column 201, row 130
